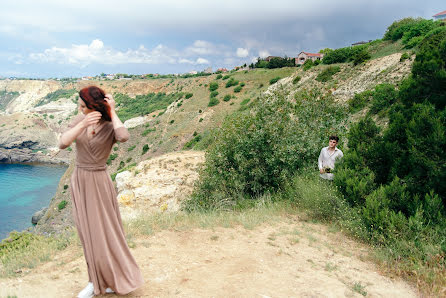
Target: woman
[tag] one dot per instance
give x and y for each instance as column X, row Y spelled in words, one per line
column 111, row 267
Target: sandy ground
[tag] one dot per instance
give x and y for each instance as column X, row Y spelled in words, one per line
column 292, row 258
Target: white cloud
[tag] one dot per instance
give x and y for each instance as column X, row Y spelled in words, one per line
column 97, row 53
column 185, row 61
column 242, row 53
column 83, row 55
column 202, row 61
column 264, row 54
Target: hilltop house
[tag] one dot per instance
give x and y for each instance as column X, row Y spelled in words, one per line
column 440, row 15
column 304, row 56
column 361, row 42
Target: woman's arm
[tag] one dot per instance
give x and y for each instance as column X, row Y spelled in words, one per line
column 70, row 135
column 121, row 133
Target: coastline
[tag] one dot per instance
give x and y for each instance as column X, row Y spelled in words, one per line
column 47, row 162
column 27, row 156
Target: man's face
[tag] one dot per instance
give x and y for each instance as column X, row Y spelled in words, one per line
column 332, row 144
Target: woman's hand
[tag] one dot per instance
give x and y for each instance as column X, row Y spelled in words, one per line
column 111, row 102
column 91, row 118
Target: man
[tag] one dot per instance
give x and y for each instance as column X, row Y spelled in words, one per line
column 329, row 155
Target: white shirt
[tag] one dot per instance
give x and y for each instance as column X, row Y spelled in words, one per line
column 328, row 158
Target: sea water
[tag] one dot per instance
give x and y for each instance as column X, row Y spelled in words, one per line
column 25, row 189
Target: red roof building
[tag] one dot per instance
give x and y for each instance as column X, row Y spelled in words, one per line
column 304, row 56
column 440, row 15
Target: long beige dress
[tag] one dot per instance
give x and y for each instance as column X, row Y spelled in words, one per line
column 96, row 212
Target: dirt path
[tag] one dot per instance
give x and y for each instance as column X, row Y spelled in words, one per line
column 288, row 259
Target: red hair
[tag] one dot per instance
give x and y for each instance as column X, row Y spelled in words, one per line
column 93, row 98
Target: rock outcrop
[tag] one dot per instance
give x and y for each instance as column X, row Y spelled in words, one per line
column 158, row 184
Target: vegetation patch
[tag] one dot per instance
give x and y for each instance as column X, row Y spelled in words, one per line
column 327, row 74
column 56, row 95
column 143, row 104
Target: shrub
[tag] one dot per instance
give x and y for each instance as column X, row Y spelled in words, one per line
column 213, row 102
column 238, row 89
column 308, row 64
column 296, row 79
column 189, row 95
column 227, row 97
column 327, row 73
column 274, row 80
column 62, row 205
column 225, row 77
column 359, row 101
column 231, row 82
column 404, row 57
column 242, row 84
column 145, row 148
column 213, row 94
column 383, row 97
column 111, row 158
column 397, row 29
column 219, row 76
column 193, row 142
column 213, row 86
column 361, row 56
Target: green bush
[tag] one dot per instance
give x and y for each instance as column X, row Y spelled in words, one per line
column 145, row 148
column 296, row 80
column 213, row 86
column 397, row 29
column 231, row 82
column 242, row 84
column 219, row 76
column 404, row 57
column 361, row 57
column 111, row 158
column 308, row 64
column 327, row 73
column 359, row 101
column 225, row 77
column 213, row 102
column 192, row 142
column 62, row 205
column 131, row 148
column 188, row 95
column 274, row 80
column 213, row 94
column 238, row 89
column 383, row 97
column 227, row 97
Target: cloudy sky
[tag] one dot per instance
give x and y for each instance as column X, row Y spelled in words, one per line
column 57, row 38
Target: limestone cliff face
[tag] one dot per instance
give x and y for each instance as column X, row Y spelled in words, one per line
column 159, row 184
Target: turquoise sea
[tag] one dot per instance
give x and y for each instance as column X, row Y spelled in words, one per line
column 25, row 189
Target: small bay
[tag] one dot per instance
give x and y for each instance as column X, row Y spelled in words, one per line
column 25, row 189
